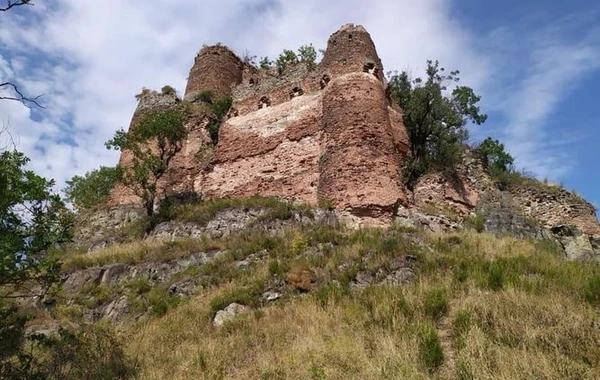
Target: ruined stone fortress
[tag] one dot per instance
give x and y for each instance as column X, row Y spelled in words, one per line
column 312, row 134
column 331, row 133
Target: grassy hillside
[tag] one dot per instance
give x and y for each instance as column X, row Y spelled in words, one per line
column 479, row 307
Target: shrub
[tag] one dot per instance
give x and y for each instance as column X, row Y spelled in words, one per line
column 431, row 352
column 476, row 222
column 219, row 109
column 495, row 158
column 248, row 296
column 286, row 58
column 265, row 63
column 168, row 90
column 460, row 327
column 92, row 189
column 436, row 303
column 592, row 290
column 496, row 275
column 87, row 352
column 308, row 55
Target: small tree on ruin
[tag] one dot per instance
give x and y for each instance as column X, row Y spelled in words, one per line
column 435, row 118
column 152, row 143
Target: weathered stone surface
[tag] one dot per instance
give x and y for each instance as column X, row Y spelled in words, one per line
column 576, row 244
column 216, row 69
column 331, row 133
column 325, row 133
column 229, row 313
column 113, row 275
column 232, row 220
column 360, row 165
column 99, row 228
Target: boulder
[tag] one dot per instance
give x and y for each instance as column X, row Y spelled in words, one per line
column 229, row 313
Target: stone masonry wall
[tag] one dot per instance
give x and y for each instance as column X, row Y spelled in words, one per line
column 216, row 69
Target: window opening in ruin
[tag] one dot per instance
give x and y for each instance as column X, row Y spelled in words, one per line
column 349, row 36
column 324, row 81
column 296, row 91
column 251, row 82
column 264, row 102
column 370, row 68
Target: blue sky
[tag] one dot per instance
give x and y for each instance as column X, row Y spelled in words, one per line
column 535, row 63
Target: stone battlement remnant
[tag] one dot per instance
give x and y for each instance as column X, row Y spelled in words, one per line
column 311, row 134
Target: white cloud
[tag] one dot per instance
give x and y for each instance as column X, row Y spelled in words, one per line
column 550, row 64
column 90, row 58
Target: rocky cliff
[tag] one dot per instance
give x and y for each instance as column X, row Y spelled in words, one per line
column 331, row 133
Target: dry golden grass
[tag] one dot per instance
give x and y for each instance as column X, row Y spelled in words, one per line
column 138, row 251
column 480, row 307
column 298, row 340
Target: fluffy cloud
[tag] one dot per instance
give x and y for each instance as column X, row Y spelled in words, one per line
column 90, row 58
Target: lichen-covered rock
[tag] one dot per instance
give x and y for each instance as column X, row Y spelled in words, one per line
column 577, row 245
column 97, row 229
column 229, row 313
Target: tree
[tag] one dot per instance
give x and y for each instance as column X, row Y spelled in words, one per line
column 286, row 58
column 435, row 118
column 495, row 158
column 91, row 189
column 32, row 221
column 219, row 109
column 153, row 143
column 265, row 63
column 308, row 55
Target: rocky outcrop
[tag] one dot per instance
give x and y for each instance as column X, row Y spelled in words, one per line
column 229, row 313
column 330, row 133
column 114, row 279
column 117, row 224
column 528, row 209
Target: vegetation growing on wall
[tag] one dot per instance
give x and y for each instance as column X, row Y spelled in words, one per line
column 91, row 189
column 153, row 143
column 435, row 117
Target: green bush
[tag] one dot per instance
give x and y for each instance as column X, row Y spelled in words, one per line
column 460, row 327
column 431, row 352
column 248, row 296
column 286, row 58
column 496, row 275
column 205, row 96
column 592, row 290
column 495, row 158
column 92, row 189
column 308, row 55
column 168, row 90
column 86, row 352
column 219, row 109
column 435, row 303
column 476, row 222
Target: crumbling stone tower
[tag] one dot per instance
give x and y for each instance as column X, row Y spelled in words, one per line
column 360, row 164
column 325, row 133
column 216, row 69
